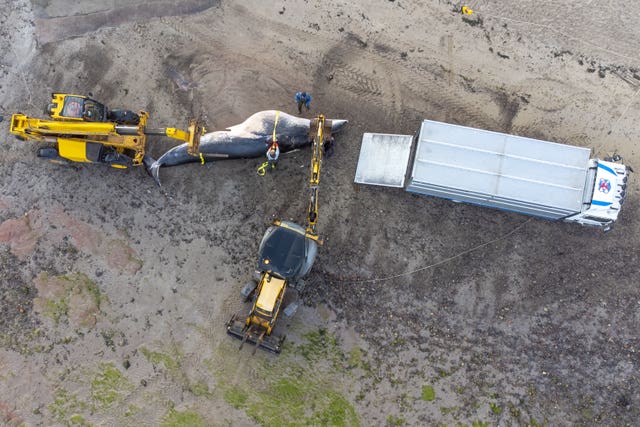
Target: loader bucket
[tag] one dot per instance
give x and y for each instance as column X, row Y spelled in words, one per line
column 237, row 328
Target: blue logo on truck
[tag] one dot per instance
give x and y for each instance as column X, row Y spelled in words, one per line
column 604, row 186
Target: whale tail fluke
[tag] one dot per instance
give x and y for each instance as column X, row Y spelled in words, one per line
column 153, row 168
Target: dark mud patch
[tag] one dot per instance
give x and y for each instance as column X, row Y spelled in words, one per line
column 16, row 302
column 54, row 29
column 509, row 107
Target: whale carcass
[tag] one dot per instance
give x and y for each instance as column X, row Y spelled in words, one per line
column 247, row 140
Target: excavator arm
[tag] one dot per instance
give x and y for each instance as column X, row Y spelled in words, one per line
column 191, row 136
column 73, row 136
column 320, row 130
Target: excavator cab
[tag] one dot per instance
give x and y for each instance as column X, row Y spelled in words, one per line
column 82, row 108
column 76, row 107
column 287, row 250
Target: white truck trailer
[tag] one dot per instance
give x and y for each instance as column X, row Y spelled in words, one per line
column 497, row 170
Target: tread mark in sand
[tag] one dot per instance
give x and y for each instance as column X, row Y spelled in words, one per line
column 424, row 83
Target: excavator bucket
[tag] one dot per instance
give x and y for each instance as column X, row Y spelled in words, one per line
column 237, row 328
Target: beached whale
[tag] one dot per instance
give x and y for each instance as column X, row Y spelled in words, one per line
column 249, row 139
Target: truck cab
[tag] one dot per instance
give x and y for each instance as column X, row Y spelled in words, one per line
column 604, row 195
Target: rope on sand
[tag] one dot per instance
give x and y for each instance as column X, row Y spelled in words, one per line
column 409, row 273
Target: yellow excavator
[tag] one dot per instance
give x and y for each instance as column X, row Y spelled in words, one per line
column 81, row 129
column 286, row 254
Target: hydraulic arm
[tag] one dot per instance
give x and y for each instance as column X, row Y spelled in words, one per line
column 71, row 135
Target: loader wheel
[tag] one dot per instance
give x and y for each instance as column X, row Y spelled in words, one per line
column 48, row 153
column 248, row 291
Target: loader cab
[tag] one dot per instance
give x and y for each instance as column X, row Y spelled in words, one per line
column 286, row 251
column 76, row 108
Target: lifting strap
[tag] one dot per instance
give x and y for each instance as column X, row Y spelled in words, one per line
column 275, row 125
column 262, row 169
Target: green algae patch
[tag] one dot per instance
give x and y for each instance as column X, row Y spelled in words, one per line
column 428, row 393
column 318, row 345
column 235, row 397
column 66, row 407
column 109, row 386
column 393, row 420
column 77, row 420
column 74, row 297
column 295, row 402
column 495, row 408
column 183, row 419
column 102, row 391
column 200, row 388
column 356, row 358
column 172, row 361
column 282, row 391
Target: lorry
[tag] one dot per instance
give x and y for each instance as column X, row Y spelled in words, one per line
column 497, row 170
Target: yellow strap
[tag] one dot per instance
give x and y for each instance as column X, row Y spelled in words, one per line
column 275, row 125
column 262, row 169
column 201, row 159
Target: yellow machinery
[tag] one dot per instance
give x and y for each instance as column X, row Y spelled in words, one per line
column 287, row 253
column 84, row 130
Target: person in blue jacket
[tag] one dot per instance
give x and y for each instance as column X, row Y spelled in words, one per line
column 303, row 98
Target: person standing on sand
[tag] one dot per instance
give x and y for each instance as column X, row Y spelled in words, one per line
column 303, row 98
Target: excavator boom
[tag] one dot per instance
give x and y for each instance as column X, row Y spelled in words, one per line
column 320, row 130
column 78, row 137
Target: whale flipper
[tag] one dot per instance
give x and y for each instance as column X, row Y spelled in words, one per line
column 152, row 166
column 154, row 170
